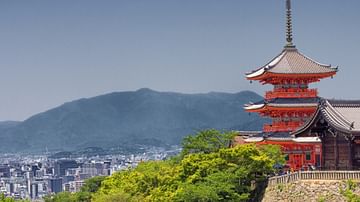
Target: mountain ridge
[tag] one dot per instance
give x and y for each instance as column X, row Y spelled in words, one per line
column 144, row 116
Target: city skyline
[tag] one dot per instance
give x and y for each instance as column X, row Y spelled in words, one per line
column 55, row 52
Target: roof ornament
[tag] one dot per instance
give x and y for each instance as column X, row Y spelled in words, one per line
column 289, row 36
column 352, row 125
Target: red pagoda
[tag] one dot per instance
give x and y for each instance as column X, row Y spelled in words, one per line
column 291, row 103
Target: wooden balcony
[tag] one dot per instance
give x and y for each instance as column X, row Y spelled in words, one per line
column 291, row 93
column 282, row 127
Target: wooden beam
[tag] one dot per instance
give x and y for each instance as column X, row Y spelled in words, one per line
column 351, row 157
column 323, row 153
column 336, row 151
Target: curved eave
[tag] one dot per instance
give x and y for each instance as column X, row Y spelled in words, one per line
column 307, row 140
column 336, row 120
column 307, row 124
column 280, row 107
column 255, row 74
column 253, row 107
column 292, row 62
column 263, row 75
column 260, row 71
column 280, row 139
column 330, row 114
column 254, row 139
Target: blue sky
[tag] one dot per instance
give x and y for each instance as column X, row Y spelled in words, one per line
column 52, row 52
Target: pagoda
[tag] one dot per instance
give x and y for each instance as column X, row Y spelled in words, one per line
column 291, row 103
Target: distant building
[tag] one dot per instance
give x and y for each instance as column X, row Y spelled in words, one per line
column 34, row 191
column 55, row 185
column 4, row 170
column 62, row 165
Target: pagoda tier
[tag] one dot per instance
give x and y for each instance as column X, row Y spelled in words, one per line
column 291, row 67
column 291, row 93
column 287, row 114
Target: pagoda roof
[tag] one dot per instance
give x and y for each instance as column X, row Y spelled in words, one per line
column 343, row 115
column 291, row 61
column 283, row 102
column 280, row 136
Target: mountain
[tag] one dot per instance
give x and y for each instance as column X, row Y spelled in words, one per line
column 8, row 124
column 127, row 118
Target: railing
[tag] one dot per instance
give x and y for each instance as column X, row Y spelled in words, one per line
column 281, row 127
column 314, row 175
column 290, row 93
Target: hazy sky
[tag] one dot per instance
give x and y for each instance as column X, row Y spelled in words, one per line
column 53, row 52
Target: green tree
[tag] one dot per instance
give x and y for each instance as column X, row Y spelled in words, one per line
column 206, row 170
column 5, row 199
column 274, row 152
column 61, row 197
column 92, row 184
column 149, row 180
column 207, row 141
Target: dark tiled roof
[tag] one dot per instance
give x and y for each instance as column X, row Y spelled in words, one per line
column 249, row 133
column 293, row 100
column 285, row 102
column 344, row 103
column 288, row 101
column 343, row 115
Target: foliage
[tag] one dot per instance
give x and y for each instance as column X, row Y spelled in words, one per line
column 85, row 195
column 206, row 170
column 92, row 184
column 61, row 197
column 322, row 199
column 3, row 198
column 348, row 193
column 207, row 141
column 274, row 152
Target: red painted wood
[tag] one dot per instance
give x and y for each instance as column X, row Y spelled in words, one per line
column 297, row 153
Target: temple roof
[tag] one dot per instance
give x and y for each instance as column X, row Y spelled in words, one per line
column 279, row 136
column 291, row 61
column 284, row 102
column 343, row 115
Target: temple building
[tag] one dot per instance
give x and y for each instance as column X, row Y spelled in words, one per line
column 312, row 131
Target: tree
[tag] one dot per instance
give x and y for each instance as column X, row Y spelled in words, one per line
column 274, row 152
column 5, row 199
column 207, row 141
column 206, row 170
column 61, row 197
column 92, row 184
column 225, row 175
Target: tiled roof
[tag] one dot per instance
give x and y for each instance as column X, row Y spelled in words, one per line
column 291, row 61
column 278, row 136
column 284, row 102
column 343, row 115
column 293, row 100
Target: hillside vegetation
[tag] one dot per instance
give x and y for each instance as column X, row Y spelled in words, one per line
column 206, row 170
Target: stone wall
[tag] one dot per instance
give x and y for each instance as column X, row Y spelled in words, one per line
column 308, row 191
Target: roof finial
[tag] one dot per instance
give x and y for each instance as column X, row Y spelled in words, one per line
column 289, row 36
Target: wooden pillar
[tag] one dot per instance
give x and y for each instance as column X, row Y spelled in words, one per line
column 336, row 152
column 350, row 142
column 323, row 153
